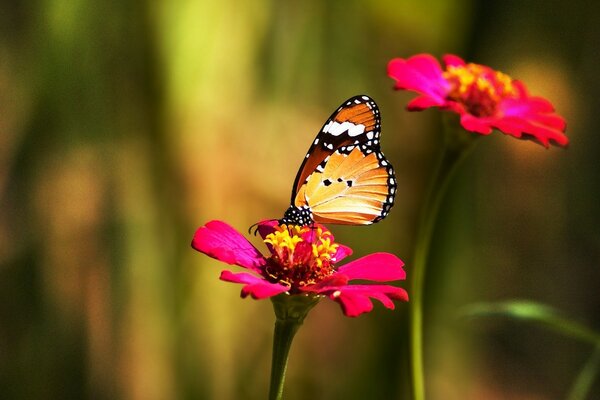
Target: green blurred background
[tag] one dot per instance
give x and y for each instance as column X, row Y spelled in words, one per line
column 125, row 125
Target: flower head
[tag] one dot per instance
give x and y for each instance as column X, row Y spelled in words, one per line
column 484, row 98
column 302, row 261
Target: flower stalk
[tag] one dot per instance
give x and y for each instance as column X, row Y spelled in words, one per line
column 290, row 312
column 457, row 145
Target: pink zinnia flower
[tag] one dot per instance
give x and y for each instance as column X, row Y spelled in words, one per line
column 484, row 98
column 302, row 262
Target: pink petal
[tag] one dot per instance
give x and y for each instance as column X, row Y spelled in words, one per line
column 540, row 105
column 341, row 253
column 534, row 118
column 421, row 73
column 526, row 106
column 311, row 234
column 552, row 121
column 219, row 240
column 475, row 124
column 531, row 129
column 422, row 102
column 330, row 283
column 427, row 66
column 255, row 286
column 455, row 107
column 356, row 299
column 453, row 60
column 521, row 89
column 511, row 126
column 378, row 267
column 353, row 305
column 266, row 227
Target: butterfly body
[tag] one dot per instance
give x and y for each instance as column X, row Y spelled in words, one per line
column 344, row 178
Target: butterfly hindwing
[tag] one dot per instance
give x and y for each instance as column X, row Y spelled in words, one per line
column 345, row 178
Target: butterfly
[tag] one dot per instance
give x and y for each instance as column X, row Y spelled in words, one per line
column 344, row 178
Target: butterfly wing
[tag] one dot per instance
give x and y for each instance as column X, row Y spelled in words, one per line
column 345, row 178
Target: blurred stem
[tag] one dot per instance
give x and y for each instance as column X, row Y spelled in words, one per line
column 457, row 144
column 290, row 312
column 583, row 383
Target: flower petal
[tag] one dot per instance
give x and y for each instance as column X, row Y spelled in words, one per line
column 378, row 267
column 311, row 234
column 475, row 124
column 534, row 118
column 341, row 253
column 266, row 227
column 421, row 73
column 526, row 106
column 421, row 103
column 356, row 299
column 452, row 60
column 254, row 286
column 219, row 240
column 353, row 304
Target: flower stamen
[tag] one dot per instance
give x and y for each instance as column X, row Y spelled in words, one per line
column 301, row 255
column 478, row 88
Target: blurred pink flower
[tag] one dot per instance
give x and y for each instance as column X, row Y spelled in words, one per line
column 302, row 261
column 484, row 98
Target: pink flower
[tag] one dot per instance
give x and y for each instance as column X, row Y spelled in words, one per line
column 302, row 262
column 484, row 98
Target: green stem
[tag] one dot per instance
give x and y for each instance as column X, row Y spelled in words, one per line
column 583, row 383
column 290, row 312
column 456, row 146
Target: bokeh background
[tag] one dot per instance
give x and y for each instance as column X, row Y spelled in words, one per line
column 125, row 125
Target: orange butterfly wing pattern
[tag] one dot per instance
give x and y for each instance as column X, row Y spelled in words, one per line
column 344, row 178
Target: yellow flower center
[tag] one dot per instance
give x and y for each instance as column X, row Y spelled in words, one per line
column 301, row 255
column 478, row 88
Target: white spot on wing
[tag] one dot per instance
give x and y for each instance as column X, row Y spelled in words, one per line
column 336, row 129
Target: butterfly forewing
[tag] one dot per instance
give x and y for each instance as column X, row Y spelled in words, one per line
column 345, row 178
column 350, row 124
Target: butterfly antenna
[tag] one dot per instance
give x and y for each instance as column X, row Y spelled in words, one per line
column 253, row 229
